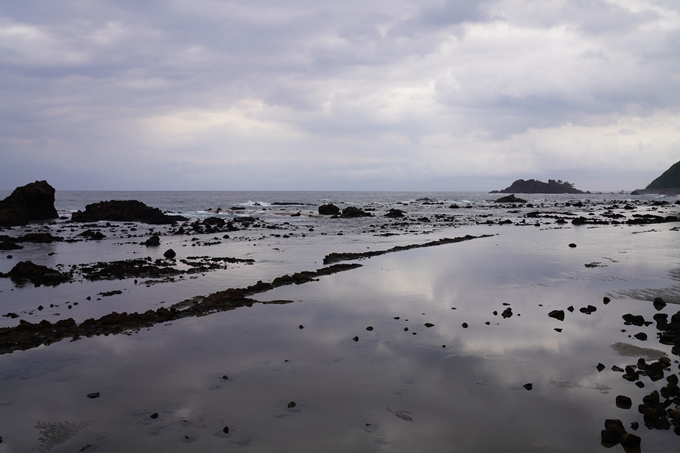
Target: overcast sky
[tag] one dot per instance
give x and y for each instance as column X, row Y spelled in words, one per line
column 350, row 95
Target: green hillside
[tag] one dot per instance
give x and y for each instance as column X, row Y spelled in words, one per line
column 670, row 179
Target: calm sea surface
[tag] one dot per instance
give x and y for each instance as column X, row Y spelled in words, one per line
column 408, row 353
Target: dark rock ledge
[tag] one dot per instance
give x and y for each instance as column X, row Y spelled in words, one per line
column 338, row 257
column 29, row 335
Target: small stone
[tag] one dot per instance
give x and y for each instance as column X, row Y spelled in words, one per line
column 630, row 440
column 225, row 430
column 659, row 303
column 93, row 395
column 557, row 329
column 606, row 300
column 301, row 327
column 641, row 336
column 528, row 386
column 355, row 338
column 617, row 368
column 600, row 367
column 557, row 314
column 572, row 245
column 640, row 384
column 225, row 377
column 169, row 254
column 369, row 328
column 464, row 325
column 292, row 404
column 635, row 425
column 570, row 308
column 429, row 324
column 154, row 415
column 623, row 402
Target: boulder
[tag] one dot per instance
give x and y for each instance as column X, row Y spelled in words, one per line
column 124, row 211
column 34, row 201
column 329, row 209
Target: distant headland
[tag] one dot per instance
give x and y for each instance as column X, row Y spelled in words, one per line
column 668, row 183
column 534, row 186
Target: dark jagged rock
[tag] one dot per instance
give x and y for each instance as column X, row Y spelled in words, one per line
column 153, row 241
column 510, row 199
column 124, row 211
column 329, row 209
column 26, row 271
column 170, row 254
column 535, row 186
column 352, row 212
column 557, row 314
column 34, row 201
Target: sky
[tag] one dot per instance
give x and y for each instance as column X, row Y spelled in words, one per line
column 352, row 95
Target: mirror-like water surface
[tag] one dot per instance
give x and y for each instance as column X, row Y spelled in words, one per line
column 373, row 359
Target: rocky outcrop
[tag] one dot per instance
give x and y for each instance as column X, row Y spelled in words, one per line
column 124, row 211
column 34, row 201
column 329, row 209
column 535, row 186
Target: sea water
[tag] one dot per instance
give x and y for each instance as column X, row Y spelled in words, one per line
column 350, row 364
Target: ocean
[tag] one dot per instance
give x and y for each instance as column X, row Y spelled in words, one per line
column 438, row 345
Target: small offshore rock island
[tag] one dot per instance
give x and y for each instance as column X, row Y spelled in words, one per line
column 535, row 186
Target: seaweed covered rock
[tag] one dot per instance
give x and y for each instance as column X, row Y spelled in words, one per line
column 124, row 211
column 34, row 201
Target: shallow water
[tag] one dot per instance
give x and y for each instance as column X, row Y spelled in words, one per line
column 392, row 390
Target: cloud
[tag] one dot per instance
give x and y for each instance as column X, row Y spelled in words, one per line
column 355, row 91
